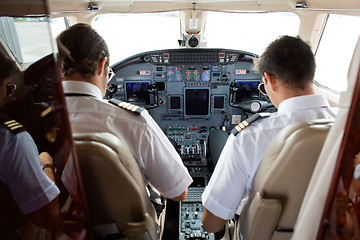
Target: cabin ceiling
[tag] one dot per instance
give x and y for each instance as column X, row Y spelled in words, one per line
column 31, row 7
column 219, row 5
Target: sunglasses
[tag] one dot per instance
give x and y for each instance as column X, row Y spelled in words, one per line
column 10, row 89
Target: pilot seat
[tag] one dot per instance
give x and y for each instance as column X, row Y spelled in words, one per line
column 119, row 206
column 281, row 181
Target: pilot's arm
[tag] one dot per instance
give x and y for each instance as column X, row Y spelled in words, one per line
column 163, row 167
column 34, row 192
column 212, row 223
column 48, row 215
column 228, row 184
column 181, row 197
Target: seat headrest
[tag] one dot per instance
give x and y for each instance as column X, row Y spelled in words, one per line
column 117, row 146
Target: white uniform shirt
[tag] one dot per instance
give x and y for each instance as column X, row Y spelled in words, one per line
column 357, row 172
column 242, row 154
column 158, row 160
column 21, row 171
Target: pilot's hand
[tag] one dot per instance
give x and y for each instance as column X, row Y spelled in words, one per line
column 47, row 165
column 45, row 158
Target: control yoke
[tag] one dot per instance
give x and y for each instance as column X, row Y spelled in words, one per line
column 153, row 91
column 254, row 105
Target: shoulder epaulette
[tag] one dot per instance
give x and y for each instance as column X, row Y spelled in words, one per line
column 128, row 106
column 11, row 124
column 248, row 121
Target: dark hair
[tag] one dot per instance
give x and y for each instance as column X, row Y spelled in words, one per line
column 290, row 60
column 80, row 49
column 7, row 67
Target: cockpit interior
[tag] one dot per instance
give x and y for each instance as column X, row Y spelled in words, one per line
column 191, row 66
column 190, row 94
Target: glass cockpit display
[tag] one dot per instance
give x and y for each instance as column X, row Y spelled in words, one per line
column 197, row 101
column 247, row 89
column 137, row 92
column 175, row 102
column 219, row 102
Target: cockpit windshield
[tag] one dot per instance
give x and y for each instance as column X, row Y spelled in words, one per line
column 129, row 34
column 248, row 31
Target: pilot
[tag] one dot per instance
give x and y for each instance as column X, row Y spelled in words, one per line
column 26, row 178
column 288, row 67
column 84, row 60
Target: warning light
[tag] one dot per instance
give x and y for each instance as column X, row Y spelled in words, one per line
column 240, row 71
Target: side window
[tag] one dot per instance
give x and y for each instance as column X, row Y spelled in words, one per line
column 34, row 38
column 335, row 51
column 29, row 39
column 57, row 26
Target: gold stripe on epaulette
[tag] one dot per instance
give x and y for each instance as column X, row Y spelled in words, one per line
column 12, row 124
column 241, row 126
column 247, row 122
column 16, row 127
column 130, row 106
column 9, row 122
column 134, row 108
column 125, row 105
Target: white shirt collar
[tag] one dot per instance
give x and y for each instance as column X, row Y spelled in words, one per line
column 82, row 88
column 303, row 102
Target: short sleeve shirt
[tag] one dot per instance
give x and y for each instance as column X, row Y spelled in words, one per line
column 234, row 173
column 21, row 171
column 158, row 160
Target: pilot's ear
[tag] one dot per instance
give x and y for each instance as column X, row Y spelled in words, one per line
column 102, row 65
column 272, row 83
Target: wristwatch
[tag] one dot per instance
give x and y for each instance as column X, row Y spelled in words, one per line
column 49, row 165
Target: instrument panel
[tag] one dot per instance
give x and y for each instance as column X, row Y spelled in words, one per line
column 188, row 87
column 190, row 93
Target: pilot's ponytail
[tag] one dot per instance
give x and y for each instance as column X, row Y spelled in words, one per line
column 80, row 49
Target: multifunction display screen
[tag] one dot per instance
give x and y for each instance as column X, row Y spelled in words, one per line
column 197, row 101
